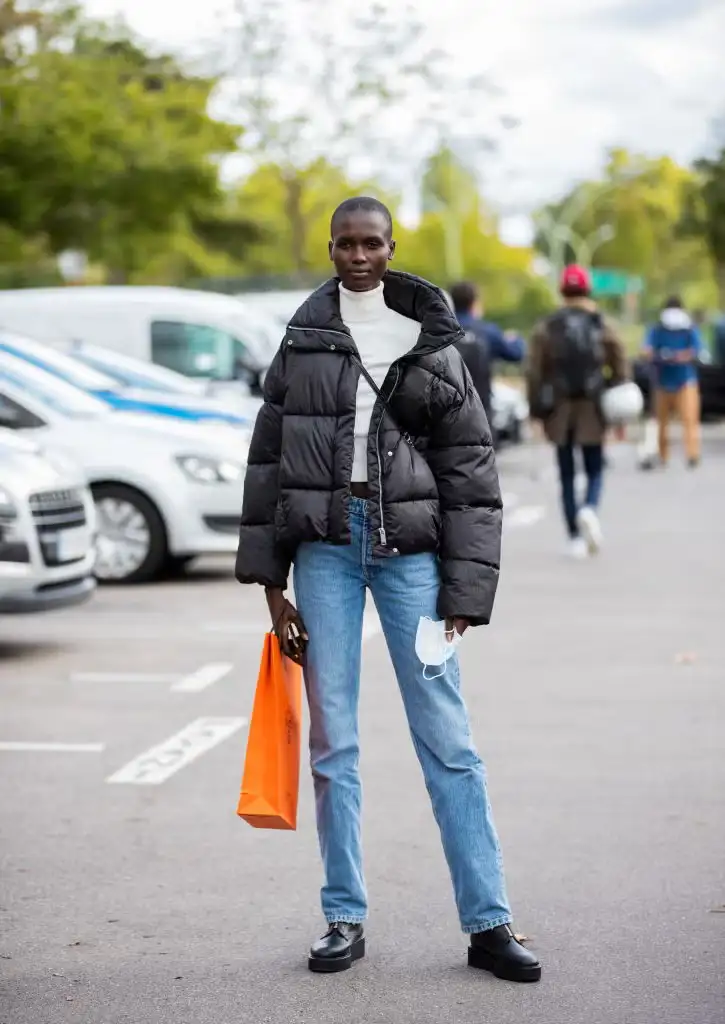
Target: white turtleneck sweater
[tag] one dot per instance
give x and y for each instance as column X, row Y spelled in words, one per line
column 381, row 336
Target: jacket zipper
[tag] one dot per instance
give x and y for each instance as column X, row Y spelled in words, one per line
column 383, row 535
column 327, row 330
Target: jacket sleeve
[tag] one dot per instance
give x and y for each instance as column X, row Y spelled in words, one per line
column 509, row 350
column 259, row 557
column 461, row 456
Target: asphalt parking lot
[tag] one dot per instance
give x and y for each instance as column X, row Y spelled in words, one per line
column 131, row 893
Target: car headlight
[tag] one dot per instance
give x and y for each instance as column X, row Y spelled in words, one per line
column 204, row 470
column 7, row 506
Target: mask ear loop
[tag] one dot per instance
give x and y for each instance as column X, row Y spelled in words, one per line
column 429, row 679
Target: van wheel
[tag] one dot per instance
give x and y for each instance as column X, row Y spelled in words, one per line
column 131, row 540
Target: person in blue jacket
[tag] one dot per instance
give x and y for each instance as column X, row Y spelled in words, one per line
column 673, row 346
column 484, row 342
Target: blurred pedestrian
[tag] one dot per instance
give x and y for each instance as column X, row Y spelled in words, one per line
column 674, row 346
column 718, row 341
column 483, row 342
column 371, row 468
column 574, row 355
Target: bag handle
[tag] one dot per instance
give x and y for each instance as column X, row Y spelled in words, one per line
column 386, row 404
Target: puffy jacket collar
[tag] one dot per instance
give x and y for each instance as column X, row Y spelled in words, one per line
column 406, row 294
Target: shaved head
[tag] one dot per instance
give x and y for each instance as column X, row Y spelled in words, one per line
column 364, row 204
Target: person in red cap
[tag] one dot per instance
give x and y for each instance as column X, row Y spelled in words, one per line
column 574, row 354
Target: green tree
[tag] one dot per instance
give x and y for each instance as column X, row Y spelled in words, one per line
column 317, row 87
column 103, row 147
column 704, row 213
column 449, row 189
column 628, row 219
column 278, row 211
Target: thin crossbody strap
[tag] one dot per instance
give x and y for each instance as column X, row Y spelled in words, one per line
column 403, row 433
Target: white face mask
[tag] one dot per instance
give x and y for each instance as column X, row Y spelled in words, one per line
column 432, row 646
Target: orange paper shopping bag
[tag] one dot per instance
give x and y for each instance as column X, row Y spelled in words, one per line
column 271, row 776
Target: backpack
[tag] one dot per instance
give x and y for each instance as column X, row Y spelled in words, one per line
column 577, row 354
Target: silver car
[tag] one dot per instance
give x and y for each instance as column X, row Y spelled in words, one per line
column 165, row 491
column 47, row 523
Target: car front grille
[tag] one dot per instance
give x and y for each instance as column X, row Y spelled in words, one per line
column 54, row 512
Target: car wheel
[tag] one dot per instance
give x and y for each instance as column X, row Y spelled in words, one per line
column 131, row 539
column 175, row 565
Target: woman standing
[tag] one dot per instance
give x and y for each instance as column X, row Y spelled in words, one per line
column 371, row 468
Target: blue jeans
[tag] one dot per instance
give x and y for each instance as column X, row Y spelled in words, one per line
column 330, row 587
column 593, row 456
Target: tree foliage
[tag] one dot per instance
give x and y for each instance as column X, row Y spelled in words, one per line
column 103, row 147
column 704, row 213
column 323, row 83
column 629, row 220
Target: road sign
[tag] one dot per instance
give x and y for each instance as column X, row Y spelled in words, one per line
column 606, row 281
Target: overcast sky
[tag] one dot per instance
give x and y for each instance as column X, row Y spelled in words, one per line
column 580, row 75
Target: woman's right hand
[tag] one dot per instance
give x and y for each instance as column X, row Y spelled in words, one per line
column 287, row 624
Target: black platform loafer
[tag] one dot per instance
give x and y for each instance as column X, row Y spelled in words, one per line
column 337, row 950
column 499, row 951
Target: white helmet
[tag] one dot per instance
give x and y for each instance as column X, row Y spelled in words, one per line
column 622, row 404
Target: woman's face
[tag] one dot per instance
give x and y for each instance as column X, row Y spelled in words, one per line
column 361, row 247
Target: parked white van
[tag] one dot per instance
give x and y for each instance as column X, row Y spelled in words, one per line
column 199, row 334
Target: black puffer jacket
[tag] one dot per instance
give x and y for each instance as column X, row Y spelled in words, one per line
column 436, row 492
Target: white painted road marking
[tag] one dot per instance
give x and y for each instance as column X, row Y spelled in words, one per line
column 205, row 676
column 200, row 679
column 526, row 515
column 371, row 625
column 124, row 677
column 53, row 748
column 161, row 762
column 236, row 627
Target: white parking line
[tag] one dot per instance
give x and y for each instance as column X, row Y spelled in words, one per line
column 236, row 627
column 198, row 680
column 371, row 627
column 205, row 676
column 526, row 515
column 124, row 677
column 164, row 760
column 53, row 748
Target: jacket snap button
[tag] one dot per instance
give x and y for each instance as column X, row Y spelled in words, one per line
column 390, row 454
column 332, row 348
column 289, row 341
column 395, row 551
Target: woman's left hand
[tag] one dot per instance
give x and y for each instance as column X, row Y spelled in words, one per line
column 457, row 624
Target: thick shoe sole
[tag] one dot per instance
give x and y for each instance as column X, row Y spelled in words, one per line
column 504, row 969
column 331, row 965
